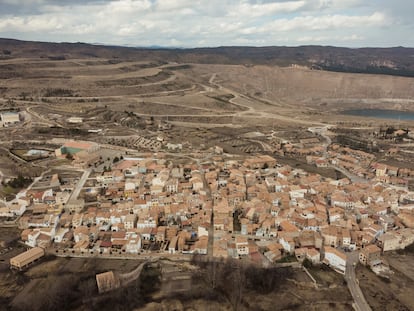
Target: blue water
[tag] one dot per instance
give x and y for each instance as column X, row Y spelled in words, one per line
column 381, row 113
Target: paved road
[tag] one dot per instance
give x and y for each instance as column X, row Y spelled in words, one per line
column 253, row 237
column 323, row 132
column 354, row 178
column 353, row 284
column 35, row 180
column 79, row 186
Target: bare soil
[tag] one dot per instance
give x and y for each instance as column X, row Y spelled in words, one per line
column 34, row 288
column 124, row 97
column 383, row 294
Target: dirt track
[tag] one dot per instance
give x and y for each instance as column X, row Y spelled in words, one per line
column 287, row 95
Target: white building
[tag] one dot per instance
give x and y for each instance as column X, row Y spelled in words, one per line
column 8, row 118
column 32, row 237
column 5, row 212
column 60, row 234
column 134, row 245
column 346, row 239
column 130, row 221
column 335, row 259
column 288, row 244
column 202, row 231
column 129, row 187
column 75, row 120
column 174, row 147
column 105, row 178
column 313, row 255
column 172, row 185
column 197, row 183
column 18, row 207
column 146, row 223
column 334, row 215
column 242, row 246
column 172, row 247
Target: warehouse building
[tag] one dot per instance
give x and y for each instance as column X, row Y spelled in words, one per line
column 8, row 118
column 22, row 260
column 73, row 147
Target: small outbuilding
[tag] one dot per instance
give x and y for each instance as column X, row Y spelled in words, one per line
column 107, row 281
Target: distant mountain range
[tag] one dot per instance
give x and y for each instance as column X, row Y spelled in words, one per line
column 391, row 61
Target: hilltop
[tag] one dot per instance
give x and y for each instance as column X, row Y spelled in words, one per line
column 391, row 61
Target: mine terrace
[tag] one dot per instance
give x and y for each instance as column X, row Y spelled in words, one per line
column 130, row 162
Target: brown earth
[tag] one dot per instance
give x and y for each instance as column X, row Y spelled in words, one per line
column 394, row 293
column 52, row 281
column 202, row 104
column 393, row 61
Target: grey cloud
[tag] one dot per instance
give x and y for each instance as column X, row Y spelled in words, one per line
column 401, row 10
column 24, row 7
column 208, row 22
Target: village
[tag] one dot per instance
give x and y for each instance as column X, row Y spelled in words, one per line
column 203, row 178
column 217, row 205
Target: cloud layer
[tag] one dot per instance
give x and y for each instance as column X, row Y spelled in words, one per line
column 191, row 23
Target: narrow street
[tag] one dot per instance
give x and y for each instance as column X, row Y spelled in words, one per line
column 211, row 227
column 353, row 284
column 322, row 132
column 352, row 177
column 79, row 186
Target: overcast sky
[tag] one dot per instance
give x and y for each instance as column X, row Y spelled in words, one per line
column 197, row 23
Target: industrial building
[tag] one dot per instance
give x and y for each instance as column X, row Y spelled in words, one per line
column 73, row 147
column 8, row 118
column 22, row 260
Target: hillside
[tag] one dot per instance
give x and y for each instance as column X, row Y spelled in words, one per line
column 392, row 61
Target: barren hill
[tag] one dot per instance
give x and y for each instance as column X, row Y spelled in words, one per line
column 236, row 87
column 392, row 61
column 293, row 85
